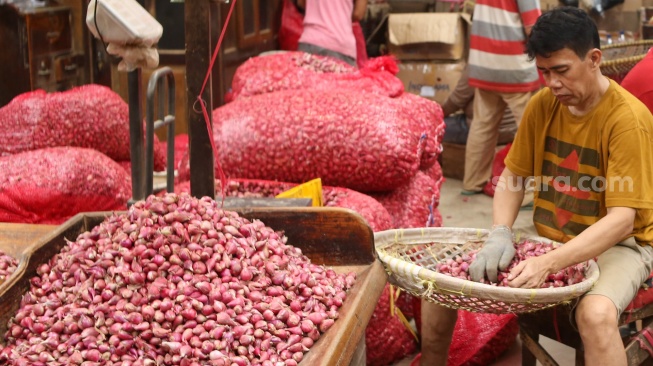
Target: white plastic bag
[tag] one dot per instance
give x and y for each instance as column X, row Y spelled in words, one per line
column 124, row 22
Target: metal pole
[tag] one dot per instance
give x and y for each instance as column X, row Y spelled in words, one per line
column 136, row 135
column 198, row 57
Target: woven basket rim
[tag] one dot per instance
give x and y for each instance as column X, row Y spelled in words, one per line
column 469, row 288
column 624, row 61
column 641, row 42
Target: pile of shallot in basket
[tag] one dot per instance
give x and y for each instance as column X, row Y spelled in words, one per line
column 175, row 281
column 458, row 266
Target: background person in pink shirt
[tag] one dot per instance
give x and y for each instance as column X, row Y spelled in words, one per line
column 328, row 27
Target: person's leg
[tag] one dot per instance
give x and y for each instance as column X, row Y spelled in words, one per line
column 482, row 140
column 438, row 323
column 517, row 102
column 623, row 269
column 596, row 317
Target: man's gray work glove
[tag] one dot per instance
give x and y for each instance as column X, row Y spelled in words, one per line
column 497, row 252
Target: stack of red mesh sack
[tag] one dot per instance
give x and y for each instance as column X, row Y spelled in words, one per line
column 296, row 116
column 48, row 186
column 37, row 128
column 91, row 116
column 293, row 117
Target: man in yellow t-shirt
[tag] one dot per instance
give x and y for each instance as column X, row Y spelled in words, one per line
column 588, row 143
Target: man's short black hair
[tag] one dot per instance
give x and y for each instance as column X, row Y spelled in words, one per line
column 563, row 27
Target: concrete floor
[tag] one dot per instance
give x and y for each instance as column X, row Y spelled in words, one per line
column 476, row 212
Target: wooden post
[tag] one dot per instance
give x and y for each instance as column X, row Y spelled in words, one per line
column 198, row 57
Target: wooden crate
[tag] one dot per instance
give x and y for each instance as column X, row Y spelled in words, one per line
column 335, row 237
column 18, row 241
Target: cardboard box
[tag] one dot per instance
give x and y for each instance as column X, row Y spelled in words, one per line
column 432, row 80
column 549, row 4
column 428, row 36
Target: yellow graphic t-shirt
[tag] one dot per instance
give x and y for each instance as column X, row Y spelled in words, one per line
column 584, row 164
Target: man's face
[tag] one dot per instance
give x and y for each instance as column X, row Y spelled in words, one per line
column 568, row 77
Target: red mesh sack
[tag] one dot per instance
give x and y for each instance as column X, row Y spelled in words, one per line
column 428, row 116
column 243, row 188
column 414, row 204
column 292, row 26
column 299, row 70
column 346, row 138
column 644, row 296
column 478, row 338
column 372, row 211
column 497, row 168
column 387, row 339
column 435, row 172
column 91, row 116
column 183, row 168
column 22, row 123
column 181, row 148
column 49, row 186
column 127, row 165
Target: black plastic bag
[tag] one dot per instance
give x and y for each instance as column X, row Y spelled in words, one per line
column 573, row 3
column 600, row 6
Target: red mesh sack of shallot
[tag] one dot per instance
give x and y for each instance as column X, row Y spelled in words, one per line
column 48, row 186
column 435, row 173
column 428, row 116
column 478, row 338
column 414, row 204
column 299, row 70
column 127, row 165
column 91, row 116
column 387, row 339
column 346, row 138
column 181, row 148
column 243, row 188
column 497, row 168
column 183, row 168
column 372, row 211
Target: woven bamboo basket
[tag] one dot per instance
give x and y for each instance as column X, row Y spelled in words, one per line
column 620, row 58
column 410, row 255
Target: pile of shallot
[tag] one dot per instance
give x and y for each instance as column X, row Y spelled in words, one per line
column 8, row 265
column 175, row 281
column 458, row 266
